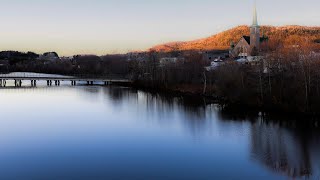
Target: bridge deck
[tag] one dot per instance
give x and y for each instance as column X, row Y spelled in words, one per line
column 57, row 78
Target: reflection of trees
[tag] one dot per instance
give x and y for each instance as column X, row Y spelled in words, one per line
column 195, row 114
column 284, row 146
column 284, row 149
column 315, row 155
column 165, row 107
column 290, row 146
column 237, row 115
column 161, row 107
column 118, row 94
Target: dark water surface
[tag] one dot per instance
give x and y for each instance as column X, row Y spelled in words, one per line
column 120, row 133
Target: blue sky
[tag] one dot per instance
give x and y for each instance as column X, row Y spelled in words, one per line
column 111, row 26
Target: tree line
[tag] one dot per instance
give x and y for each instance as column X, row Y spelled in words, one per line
column 107, row 65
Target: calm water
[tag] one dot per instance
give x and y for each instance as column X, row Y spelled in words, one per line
column 119, row 133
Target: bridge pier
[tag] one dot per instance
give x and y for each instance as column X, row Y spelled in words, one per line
column 89, row 82
column 49, row 82
column 106, row 83
column 17, row 83
column 2, row 82
column 33, row 82
column 73, row 83
column 56, row 82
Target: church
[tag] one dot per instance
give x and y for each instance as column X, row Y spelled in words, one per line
column 248, row 45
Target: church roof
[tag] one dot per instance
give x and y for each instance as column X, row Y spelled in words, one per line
column 247, row 38
column 262, row 39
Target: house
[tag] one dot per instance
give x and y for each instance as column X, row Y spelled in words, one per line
column 251, row 60
column 64, row 58
column 168, row 60
column 50, row 56
column 137, row 56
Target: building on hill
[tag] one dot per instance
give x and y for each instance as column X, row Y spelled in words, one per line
column 137, row 56
column 168, row 60
column 50, row 56
column 248, row 45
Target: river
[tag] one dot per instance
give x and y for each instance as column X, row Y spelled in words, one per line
column 96, row 132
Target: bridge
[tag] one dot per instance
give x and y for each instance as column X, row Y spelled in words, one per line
column 53, row 79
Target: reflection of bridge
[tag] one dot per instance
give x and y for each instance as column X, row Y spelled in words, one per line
column 56, row 79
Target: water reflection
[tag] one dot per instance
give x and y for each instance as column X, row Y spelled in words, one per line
column 285, row 145
column 111, row 130
column 192, row 112
column 288, row 147
column 278, row 149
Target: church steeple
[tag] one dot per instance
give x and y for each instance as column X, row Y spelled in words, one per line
column 255, row 16
column 255, row 31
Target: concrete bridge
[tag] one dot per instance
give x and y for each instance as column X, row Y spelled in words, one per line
column 50, row 79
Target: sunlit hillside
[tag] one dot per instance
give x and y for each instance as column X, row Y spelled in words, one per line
column 222, row 40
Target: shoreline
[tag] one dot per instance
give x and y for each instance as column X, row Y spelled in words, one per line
column 225, row 106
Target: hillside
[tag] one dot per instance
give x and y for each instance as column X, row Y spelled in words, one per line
column 222, row 40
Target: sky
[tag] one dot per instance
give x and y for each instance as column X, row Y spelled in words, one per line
column 100, row 27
